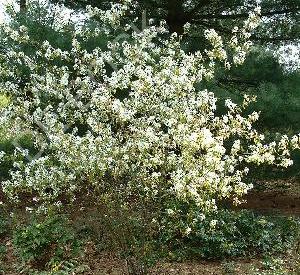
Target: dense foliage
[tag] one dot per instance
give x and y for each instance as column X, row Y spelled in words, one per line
column 105, row 115
column 46, row 242
column 280, row 18
column 238, row 234
column 143, row 129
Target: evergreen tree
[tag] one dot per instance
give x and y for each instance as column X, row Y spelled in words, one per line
column 280, row 17
column 23, row 5
column 277, row 90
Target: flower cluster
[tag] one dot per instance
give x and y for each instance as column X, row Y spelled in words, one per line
column 130, row 118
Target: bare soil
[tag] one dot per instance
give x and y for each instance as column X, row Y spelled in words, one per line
column 276, row 197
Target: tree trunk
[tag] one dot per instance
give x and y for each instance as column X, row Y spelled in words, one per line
column 176, row 18
column 23, row 6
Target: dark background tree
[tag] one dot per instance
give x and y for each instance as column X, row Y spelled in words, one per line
column 281, row 17
column 23, row 5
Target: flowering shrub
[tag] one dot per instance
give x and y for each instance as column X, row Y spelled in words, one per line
column 237, row 233
column 129, row 118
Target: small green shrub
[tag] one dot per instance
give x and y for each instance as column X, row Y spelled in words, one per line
column 238, row 234
column 46, row 242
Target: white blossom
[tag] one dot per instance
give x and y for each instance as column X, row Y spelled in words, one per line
column 144, row 130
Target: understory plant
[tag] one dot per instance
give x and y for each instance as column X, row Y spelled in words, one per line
column 128, row 120
column 229, row 234
column 46, row 242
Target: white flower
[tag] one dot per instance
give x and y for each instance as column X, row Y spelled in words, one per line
column 229, row 104
column 207, row 138
column 187, row 27
column 213, row 223
column 141, row 128
column 188, row 230
column 170, row 212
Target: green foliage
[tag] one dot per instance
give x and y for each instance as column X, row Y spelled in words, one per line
column 8, row 145
column 4, row 101
column 46, row 242
column 4, row 233
column 278, row 101
column 4, row 226
column 5, row 223
column 52, row 242
column 277, row 91
column 43, row 21
column 61, row 268
column 281, row 24
column 237, row 234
